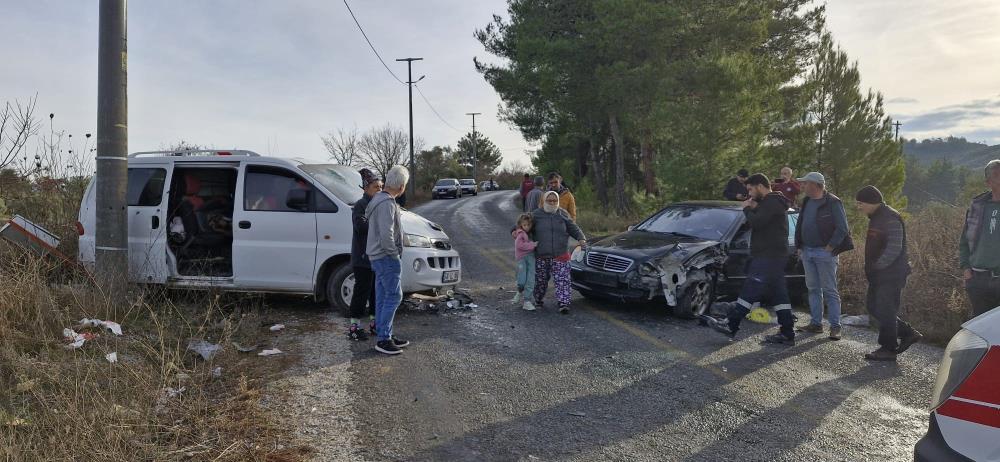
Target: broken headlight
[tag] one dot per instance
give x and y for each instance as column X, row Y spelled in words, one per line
column 649, row 269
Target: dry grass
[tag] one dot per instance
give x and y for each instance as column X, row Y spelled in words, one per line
column 62, row 404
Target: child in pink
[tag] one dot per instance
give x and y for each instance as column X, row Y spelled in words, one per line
column 524, row 253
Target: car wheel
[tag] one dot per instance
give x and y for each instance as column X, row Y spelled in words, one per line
column 696, row 301
column 340, row 289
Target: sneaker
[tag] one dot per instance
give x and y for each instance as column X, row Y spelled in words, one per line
column 779, row 339
column 539, row 304
column 400, row 343
column 518, row 298
column 563, row 310
column 387, row 347
column 356, row 333
column 721, row 326
column 904, row 344
column 371, row 328
column 812, row 329
column 881, row 354
column 835, row 333
column 528, row 306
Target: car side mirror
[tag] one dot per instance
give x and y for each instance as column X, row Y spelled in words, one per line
column 631, row 227
column 298, row 199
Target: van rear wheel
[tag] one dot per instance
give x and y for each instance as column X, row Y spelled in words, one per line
column 340, row 289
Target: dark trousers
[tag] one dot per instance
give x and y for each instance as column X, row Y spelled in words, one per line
column 883, row 305
column 363, row 300
column 984, row 292
column 765, row 284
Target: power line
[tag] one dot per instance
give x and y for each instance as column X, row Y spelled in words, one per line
column 370, row 43
column 435, row 110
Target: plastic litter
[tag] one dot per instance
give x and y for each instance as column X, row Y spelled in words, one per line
column 114, row 327
column 277, row 327
column 270, row 352
column 217, row 372
column 112, row 357
column 76, row 339
column 858, row 321
column 205, row 349
column 173, row 392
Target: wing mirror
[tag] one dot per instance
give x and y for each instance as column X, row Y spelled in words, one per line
column 631, row 227
column 298, row 199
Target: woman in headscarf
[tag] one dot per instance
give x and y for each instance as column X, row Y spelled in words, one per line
column 552, row 230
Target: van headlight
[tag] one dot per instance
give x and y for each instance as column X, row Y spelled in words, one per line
column 416, row 240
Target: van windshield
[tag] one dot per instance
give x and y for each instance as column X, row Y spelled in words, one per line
column 343, row 181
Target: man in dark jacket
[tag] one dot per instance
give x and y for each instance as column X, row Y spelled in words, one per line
column 766, row 213
column 364, row 277
column 821, row 234
column 886, row 267
column 736, row 189
column 979, row 250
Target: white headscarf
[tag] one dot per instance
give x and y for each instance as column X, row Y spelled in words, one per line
column 547, row 207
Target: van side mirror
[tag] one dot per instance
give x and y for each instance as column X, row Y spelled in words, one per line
column 298, row 199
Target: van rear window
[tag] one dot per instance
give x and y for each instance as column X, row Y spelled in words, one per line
column 145, row 186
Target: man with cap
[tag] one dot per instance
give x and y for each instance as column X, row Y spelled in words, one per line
column 364, row 278
column 736, row 189
column 886, row 268
column 766, row 213
column 821, row 234
column 979, row 250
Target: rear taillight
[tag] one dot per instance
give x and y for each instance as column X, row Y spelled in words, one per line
column 79, row 228
column 963, row 353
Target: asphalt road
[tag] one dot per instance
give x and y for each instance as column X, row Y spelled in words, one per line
column 615, row 382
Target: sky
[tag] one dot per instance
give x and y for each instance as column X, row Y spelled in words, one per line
column 273, row 77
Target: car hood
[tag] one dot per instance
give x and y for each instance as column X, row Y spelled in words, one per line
column 643, row 245
column 416, row 224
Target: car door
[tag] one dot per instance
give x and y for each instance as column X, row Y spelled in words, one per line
column 274, row 240
column 147, row 227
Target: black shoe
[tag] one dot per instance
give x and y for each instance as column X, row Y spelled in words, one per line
column 400, row 343
column 779, row 339
column 563, row 310
column 387, row 347
column 905, row 343
column 356, row 333
column 721, row 326
column 881, row 354
column 371, row 328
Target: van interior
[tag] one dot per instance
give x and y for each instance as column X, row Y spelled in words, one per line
column 200, row 217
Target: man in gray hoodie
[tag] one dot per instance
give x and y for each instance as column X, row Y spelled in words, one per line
column 384, row 249
column 534, row 198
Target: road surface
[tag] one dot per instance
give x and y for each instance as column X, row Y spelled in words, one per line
column 606, row 382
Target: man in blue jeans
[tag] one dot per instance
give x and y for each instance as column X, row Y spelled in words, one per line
column 384, row 249
column 820, row 235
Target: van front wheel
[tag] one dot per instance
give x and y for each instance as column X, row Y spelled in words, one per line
column 340, row 289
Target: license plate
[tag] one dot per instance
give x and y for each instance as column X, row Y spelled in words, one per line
column 449, row 276
column 601, row 279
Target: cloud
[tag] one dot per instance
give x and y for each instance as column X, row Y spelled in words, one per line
column 963, row 117
column 903, row 100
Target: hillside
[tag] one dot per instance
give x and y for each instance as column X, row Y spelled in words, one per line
column 957, row 150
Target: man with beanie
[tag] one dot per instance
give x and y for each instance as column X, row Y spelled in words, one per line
column 766, row 213
column 364, row 277
column 979, row 250
column 886, row 267
column 821, row 234
column 736, row 189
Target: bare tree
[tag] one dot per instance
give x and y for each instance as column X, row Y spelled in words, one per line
column 17, row 126
column 382, row 148
column 343, row 146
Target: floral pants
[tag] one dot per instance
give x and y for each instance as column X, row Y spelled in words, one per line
column 559, row 272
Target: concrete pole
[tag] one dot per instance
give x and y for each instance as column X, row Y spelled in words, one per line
column 473, row 114
column 111, row 235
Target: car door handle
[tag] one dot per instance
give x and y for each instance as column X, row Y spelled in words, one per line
column 156, row 222
column 244, row 224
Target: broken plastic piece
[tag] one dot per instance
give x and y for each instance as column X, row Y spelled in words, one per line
column 217, row 372
column 173, row 392
column 112, row 357
column 205, row 349
column 277, row 327
column 114, row 327
column 271, row 352
column 77, row 339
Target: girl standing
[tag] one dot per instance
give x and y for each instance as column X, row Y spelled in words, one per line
column 524, row 252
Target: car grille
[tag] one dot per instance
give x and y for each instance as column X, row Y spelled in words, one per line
column 612, row 263
column 443, row 262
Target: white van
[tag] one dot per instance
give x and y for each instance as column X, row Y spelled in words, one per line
column 237, row 221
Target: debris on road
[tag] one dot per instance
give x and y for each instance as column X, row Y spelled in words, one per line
column 205, row 349
column 857, row 321
column 114, row 327
column 277, row 327
column 578, row 414
column 761, row 316
column 270, row 352
column 433, row 304
column 112, row 357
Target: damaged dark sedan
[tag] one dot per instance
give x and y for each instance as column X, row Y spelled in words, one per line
column 687, row 255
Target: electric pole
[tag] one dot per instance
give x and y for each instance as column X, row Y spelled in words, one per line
column 473, row 114
column 409, row 84
column 897, row 125
column 111, row 235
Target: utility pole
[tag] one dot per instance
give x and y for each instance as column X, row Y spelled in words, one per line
column 409, row 84
column 111, row 235
column 473, row 114
column 897, row 125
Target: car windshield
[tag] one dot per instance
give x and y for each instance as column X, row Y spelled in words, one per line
column 700, row 222
column 343, row 181
column 468, row 181
column 445, row 183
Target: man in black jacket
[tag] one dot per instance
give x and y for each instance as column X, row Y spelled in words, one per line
column 766, row 213
column 364, row 277
column 886, row 267
column 736, row 189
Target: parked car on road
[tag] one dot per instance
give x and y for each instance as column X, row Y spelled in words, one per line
column 469, row 186
column 489, row 186
column 965, row 404
column 237, row 221
column 447, row 187
column 687, row 254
